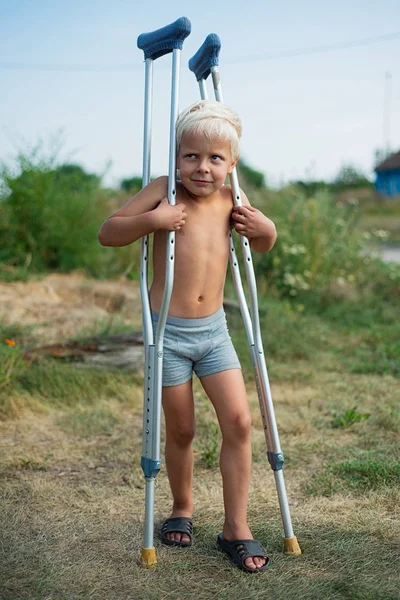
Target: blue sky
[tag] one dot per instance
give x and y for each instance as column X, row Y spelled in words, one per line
column 304, row 113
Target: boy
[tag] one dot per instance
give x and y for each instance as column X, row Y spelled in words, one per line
column 196, row 336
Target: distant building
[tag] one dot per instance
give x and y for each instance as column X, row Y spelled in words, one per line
column 388, row 176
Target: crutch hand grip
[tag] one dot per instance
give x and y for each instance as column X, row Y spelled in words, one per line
column 162, row 41
column 206, row 57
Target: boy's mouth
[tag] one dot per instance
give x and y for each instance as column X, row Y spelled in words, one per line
column 201, row 181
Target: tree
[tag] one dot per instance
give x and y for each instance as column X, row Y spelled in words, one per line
column 74, row 177
column 131, row 184
column 253, row 177
column 350, row 177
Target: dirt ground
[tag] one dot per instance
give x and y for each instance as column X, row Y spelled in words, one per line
column 61, row 307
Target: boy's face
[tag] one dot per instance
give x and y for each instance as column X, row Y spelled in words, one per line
column 203, row 163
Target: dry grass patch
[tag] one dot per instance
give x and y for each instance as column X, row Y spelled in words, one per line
column 70, row 542
column 72, row 504
column 61, row 306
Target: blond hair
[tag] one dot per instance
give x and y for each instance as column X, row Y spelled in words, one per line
column 212, row 119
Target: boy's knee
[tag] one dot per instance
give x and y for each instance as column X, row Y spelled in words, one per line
column 239, row 427
column 183, row 435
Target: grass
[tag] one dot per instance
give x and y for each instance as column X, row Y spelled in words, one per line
column 371, row 471
column 90, row 422
column 72, row 492
column 72, row 508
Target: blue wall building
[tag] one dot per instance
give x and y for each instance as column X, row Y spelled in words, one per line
column 388, row 176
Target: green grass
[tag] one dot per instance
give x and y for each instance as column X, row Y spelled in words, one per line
column 354, row 337
column 370, row 471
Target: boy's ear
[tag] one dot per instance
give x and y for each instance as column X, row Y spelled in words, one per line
column 233, row 165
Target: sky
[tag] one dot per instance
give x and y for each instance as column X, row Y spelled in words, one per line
column 317, row 85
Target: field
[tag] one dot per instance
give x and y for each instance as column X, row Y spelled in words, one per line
column 72, row 491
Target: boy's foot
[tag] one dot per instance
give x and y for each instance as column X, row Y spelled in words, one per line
column 177, row 531
column 248, row 555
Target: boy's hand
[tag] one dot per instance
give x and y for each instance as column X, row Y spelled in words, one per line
column 253, row 224
column 250, row 221
column 170, row 217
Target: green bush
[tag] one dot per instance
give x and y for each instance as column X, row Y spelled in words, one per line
column 50, row 216
column 319, row 252
column 317, row 244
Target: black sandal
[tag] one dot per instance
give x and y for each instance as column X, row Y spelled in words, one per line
column 239, row 550
column 177, row 525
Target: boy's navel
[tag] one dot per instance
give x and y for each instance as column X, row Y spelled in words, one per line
column 200, row 298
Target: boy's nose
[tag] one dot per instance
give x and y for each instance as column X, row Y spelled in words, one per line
column 202, row 166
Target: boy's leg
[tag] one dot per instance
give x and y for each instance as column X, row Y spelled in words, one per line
column 227, row 393
column 178, row 405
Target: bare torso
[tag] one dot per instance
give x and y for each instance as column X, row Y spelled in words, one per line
column 201, row 256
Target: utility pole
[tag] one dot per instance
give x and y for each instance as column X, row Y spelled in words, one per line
column 386, row 112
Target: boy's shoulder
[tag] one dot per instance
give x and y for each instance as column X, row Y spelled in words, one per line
column 160, row 182
column 226, row 190
column 226, row 193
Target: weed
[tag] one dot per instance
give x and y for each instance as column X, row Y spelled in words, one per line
column 348, row 418
column 209, row 455
column 31, row 465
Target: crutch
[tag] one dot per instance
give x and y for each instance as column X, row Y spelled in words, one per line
column 155, row 44
column 204, row 62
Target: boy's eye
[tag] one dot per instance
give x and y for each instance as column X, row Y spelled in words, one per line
column 215, row 157
column 190, row 155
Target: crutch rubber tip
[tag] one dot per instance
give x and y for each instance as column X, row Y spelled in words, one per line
column 291, row 546
column 148, row 557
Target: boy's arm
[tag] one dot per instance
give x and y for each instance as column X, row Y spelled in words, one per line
column 146, row 212
column 254, row 225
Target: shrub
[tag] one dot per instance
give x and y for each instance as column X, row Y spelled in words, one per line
column 49, row 218
column 317, row 244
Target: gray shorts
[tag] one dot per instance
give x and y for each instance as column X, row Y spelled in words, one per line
column 200, row 345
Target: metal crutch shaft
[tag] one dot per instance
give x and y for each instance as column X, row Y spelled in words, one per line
column 204, row 63
column 154, row 45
